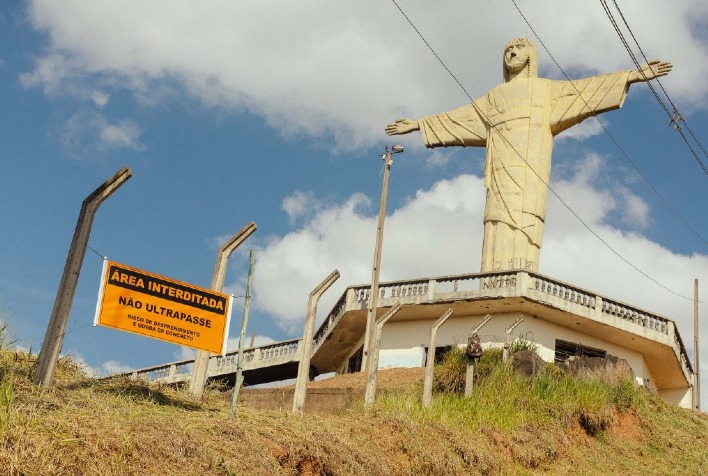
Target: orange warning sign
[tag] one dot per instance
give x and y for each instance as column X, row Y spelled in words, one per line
column 136, row 301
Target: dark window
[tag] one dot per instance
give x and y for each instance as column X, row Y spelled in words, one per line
column 355, row 360
column 439, row 353
column 565, row 349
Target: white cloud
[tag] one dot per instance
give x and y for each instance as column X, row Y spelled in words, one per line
column 299, row 204
column 111, row 367
column 88, row 131
column 439, row 158
column 99, row 98
column 184, row 353
column 342, row 69
column 635, row 211
column 584, row 130
column 124, row 134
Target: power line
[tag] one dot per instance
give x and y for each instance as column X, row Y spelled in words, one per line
column 609, row 134
column 97, row 253
column 482, row 114
column 674, row 116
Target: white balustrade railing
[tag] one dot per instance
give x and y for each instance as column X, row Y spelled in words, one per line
column 260, row 354
column 642, row 318
column 564, row 291
column 332, row 319
column 442, row 288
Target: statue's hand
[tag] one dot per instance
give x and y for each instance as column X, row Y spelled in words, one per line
column 401, row 126
column 651, row 70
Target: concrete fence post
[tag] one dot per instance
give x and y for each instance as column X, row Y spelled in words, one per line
column 54, row 337
column 430, row 364
column 370, row 394
column 303, row 370
column 201, row 359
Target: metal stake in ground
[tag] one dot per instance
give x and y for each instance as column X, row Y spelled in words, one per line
column 370, row 394
column 303, row 370
column 430, row 364
column 201, row 359
column 54, row 337
column 242, row 336
column 373, row 292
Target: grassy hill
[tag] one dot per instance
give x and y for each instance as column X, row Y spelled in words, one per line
column 553, row 425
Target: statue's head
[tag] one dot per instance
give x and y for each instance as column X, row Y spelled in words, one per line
column 519, row 55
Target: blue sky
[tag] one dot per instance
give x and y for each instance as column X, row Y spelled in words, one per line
column 229, row 112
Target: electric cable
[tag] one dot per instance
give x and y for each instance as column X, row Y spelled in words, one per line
column 674, row 117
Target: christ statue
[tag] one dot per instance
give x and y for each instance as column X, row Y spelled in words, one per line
column 516, row 122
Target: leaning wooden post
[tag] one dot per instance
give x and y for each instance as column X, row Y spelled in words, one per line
column 370, row 394
column 303, row 370
column 201, row 359
column 54, row 337
column 430, row 364
column 469, row 375
column 507, row 343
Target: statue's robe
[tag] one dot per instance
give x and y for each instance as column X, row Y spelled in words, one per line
column 516, row 122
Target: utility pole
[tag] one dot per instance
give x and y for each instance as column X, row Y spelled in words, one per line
column 696, row 374
column 242, row 336
column 201, row 359
column 374, row 291
column 54, row 337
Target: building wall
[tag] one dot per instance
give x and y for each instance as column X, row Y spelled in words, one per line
column 678, row 396
column 402, row 342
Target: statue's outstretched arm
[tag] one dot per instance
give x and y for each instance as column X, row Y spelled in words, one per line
column 650, row 70
column 402, row 126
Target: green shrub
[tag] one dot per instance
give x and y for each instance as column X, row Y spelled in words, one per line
column 520, row 344
column 450, row 373
column 491, row 359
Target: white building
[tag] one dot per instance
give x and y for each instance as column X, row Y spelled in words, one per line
column 561, row 319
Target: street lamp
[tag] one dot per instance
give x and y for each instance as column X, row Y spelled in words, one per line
column 374, row 291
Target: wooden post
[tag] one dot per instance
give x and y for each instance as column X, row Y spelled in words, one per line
column 201, row 359
column 54, row 337
column 430, row 364
column 370, row 394
column 242, row 336
column 469, row 375
column 303, row 370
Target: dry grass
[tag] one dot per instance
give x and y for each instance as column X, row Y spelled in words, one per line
column 81, row 426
